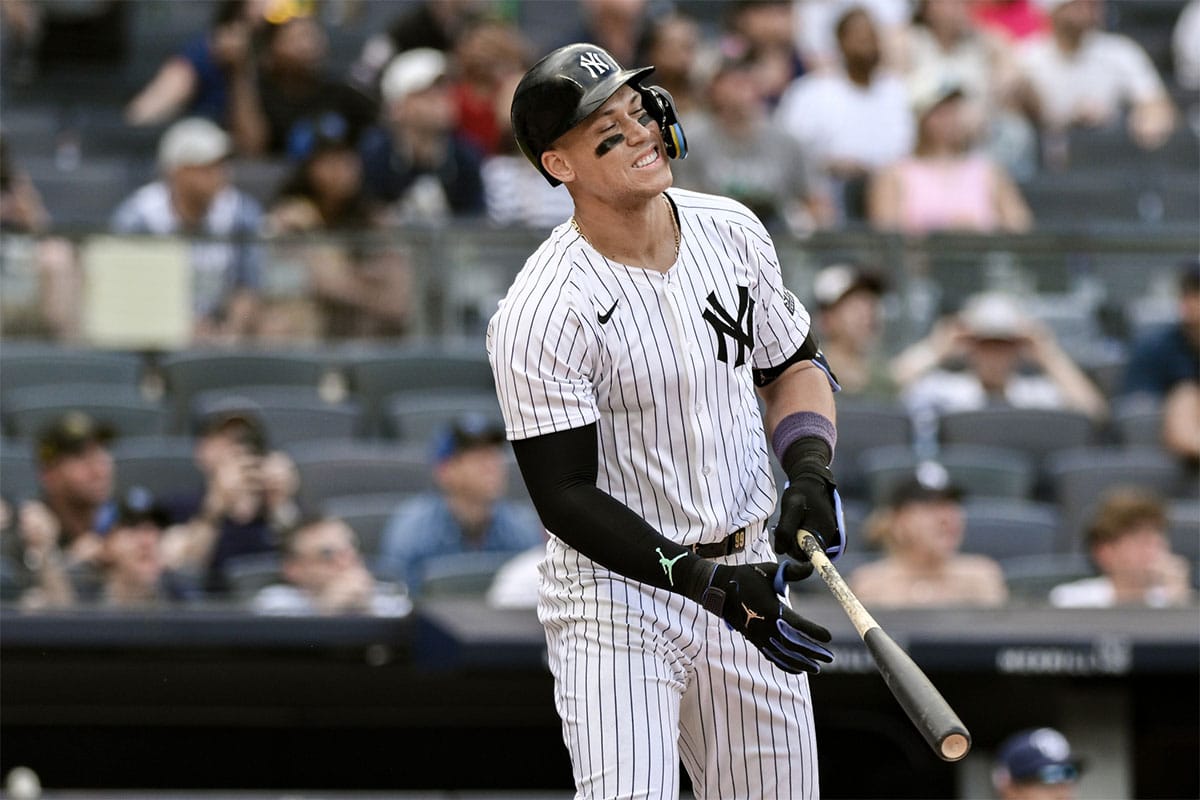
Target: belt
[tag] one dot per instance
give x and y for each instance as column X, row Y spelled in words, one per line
column 733, row 543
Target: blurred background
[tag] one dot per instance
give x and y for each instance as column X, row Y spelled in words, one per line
column 261, row 536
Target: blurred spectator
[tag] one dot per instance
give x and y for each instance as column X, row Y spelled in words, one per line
column 248, row 499
column 415, row 161
column 360, row 285
column 995, row 340
column 734, row 150
column 467, row 512
column 487, row 53
column 325, row 575
column 850, row 320
column 435, row 24
column 672, row 43
column 921, row 530
column 1164, row 368
column 943, row 46
column 292, row 85
column 25, row 223
column 945, row 185
column 764, row 30
column 853, row 119
column 1016, row 20
column 194, row 196
column 515, row 192
column 196, row 81
column 1185, row 47
column 1086, row 77
column 1127, row 542
column 13, row 574
column 1036, row 764
column 819, row 18
column 132, row 571
column 60, row 534
column 616, row 25
column 77, row 32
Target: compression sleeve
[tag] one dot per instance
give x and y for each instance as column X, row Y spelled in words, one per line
column 560, row 472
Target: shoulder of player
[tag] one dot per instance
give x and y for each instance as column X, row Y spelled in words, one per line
column 552, row 279
column 708, row 209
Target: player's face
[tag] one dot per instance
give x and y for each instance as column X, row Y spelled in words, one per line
column 617, row 151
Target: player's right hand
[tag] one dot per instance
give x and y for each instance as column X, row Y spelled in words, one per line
column 744, row 596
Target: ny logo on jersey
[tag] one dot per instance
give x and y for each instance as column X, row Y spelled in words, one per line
column 594, row 63
column 726, row 325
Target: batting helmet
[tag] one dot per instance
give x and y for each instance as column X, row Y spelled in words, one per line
column 558, row 92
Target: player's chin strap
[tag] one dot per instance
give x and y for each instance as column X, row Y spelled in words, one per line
column 660, row 105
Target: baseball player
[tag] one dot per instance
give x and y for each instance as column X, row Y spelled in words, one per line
column 626, row 354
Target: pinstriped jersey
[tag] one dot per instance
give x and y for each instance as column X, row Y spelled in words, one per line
column 661, row 362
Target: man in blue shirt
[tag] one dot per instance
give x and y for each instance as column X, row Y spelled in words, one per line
column 467, row 513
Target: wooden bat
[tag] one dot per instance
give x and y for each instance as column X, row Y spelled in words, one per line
column 925, row 706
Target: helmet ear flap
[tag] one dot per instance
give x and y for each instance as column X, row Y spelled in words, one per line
column 661, row 106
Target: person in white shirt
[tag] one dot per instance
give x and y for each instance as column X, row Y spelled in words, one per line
column 1127, row 542
column 1087, row 77
column 853, row 119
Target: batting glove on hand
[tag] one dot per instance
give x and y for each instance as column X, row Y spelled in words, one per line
column 810, row 501
column 748, row 598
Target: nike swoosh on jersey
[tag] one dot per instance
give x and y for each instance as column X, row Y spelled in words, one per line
column 603, row 318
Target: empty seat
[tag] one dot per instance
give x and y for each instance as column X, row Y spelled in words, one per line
column 863, row 425
column 189, row 373
column 333, row 468
column 416, row 416
column 247, row 575
column 38, row 367
column 1082, row 475
column 1030, row 578
column 163, row 464
column 978, row 470
column 122, row 407
column 1009, row 528
column 18, row 471
column 289, row 414
column 460, row 574
column 1139, row 424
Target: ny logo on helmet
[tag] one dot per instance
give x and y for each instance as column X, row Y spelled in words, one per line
column 594, row 63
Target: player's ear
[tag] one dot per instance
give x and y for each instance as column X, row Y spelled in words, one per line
column 554, row 162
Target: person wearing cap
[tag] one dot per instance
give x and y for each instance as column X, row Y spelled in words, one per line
column 946, row 184
column 737, row 152
column 324, row 573
column 921, row 529
column 973, row 360
column 467, row 512
column 1127, row 542
column 194, row 196
column 850, row 318
column 1087, row 77
column 415, row 160
column 1036, row 764
column 132, row 571
column 357, row 287
column 1164, row 369
column 249, row 498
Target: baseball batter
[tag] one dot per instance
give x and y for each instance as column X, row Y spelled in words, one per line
column 627, row 353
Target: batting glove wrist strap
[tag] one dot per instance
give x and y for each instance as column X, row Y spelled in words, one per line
column 810, row 501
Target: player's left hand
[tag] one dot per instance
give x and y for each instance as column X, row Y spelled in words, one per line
column 811, row 502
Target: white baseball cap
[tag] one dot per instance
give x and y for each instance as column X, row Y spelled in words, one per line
column 836, row 281
column 412, row 71
column 993, row 315
column 192, row 142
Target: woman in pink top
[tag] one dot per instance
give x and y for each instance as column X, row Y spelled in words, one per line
column 944, row 185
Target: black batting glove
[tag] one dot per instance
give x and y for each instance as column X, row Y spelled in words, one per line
column 810, row 500
column 748, row 598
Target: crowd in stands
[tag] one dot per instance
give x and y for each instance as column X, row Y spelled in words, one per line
column 909, row 117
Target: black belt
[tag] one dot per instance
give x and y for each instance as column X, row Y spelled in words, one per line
column 733, row 543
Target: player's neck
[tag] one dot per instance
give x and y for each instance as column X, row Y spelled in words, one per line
column 645, row 235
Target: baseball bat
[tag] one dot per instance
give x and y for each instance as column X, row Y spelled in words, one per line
column 925, row 706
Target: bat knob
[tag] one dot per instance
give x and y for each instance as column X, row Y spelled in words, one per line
column 955, row 746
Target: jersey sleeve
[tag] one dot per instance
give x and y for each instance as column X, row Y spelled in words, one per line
column 540, row 354
column 781, row 321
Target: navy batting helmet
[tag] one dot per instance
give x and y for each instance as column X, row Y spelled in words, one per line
column 558, row 92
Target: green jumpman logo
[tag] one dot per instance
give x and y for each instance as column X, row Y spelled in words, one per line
column 668, row 563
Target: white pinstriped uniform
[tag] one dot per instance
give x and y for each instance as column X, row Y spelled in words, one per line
column 661, row 362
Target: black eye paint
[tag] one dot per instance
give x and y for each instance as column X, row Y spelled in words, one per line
column 608, row 144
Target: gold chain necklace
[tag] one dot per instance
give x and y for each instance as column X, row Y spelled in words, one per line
column 674, row 227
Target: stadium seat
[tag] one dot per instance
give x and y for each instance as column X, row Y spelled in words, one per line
column 863, row 425
column 247, row 575
column 338, row 467
column 18, row 471
column 290, row 414
column 163, row 464
column 1183, row 529
column 416, row 416
column 978, row 470
column 188, row 373
column 123, row 407
column 1082, row 475
column 1009, row 528
column 1139, row 424
column 21, row 367
column 367, row 515
column 1030, row 578
column 373, row 379
column 461, row 574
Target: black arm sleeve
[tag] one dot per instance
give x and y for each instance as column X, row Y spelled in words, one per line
column 560, row 472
